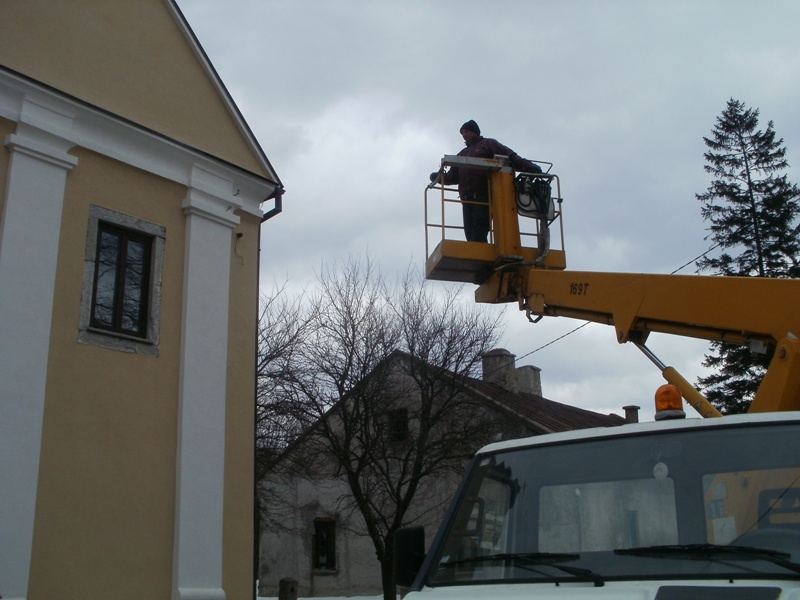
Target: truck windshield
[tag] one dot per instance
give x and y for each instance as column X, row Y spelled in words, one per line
column 698, row 502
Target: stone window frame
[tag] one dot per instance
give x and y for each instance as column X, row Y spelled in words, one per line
column 149, row 344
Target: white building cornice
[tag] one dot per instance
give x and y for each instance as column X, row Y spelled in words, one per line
column 209, row 196
column 37, row 106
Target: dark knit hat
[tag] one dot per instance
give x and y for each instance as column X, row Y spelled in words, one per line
column 471, row 126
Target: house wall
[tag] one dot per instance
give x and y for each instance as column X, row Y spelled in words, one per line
column 107, row 470
column 288, row 554
column 129, row 473
column 326, row 494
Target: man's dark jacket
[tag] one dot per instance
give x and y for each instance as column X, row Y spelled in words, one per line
column 474, row 181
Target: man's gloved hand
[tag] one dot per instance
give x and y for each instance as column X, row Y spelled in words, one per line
column 435, row 175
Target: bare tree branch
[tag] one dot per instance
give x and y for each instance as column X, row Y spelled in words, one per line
column 374, row 377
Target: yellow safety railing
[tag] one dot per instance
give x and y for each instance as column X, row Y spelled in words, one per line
column 450, row 257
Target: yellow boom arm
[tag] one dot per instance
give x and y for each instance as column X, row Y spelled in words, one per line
column 762, row 313
column 758, row 312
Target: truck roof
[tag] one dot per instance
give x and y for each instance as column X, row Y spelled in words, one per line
column 640, row 429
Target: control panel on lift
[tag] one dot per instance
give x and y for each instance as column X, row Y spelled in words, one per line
column 526, row 226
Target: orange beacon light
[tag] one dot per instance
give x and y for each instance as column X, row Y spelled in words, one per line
column 669, row 403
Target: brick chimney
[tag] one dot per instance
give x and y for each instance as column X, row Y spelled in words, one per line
column 529, row 380
column 631, row 413
column 499, row 367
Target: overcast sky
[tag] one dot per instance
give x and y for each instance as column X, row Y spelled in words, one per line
column 355, row 102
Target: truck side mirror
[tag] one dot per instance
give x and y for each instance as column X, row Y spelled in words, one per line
column 409, row 552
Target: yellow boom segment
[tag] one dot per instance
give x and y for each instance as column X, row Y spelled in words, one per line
column 758, row 312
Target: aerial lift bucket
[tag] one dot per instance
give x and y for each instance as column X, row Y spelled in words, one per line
column 522, row 214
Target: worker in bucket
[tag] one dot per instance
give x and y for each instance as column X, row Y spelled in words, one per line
column 473, row 184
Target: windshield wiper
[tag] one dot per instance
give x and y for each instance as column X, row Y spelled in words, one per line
column 713, row 551
column 550, row 559
column 541, row 558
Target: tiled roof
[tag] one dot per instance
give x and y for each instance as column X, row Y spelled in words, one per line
column 540, row 414
column 543, row 414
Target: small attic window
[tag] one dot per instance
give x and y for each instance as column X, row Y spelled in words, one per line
column 397, row 425
column 324, row 545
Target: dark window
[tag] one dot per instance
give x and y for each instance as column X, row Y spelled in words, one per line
column 325, row 544
column 398, row 425
column 121, row 280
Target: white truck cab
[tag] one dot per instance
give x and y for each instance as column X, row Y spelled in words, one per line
column 668, row 510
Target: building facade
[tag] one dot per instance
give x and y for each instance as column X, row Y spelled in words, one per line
column 131, row 201
column 318, row 538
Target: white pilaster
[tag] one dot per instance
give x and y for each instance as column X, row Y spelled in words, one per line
column 201, row 437
column 30, row 228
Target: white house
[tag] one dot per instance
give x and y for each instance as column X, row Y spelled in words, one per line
column 318, row 538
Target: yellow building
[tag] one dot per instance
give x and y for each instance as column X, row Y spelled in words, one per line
column 131, row 197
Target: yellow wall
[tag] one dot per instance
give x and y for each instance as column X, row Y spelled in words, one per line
column 106, row 501
column 129, row 58
column 240, row 414
column 105, row 507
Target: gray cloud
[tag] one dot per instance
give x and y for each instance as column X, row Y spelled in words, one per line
column 356, row 101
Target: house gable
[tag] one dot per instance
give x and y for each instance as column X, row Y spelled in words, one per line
column 137, row 60
column 303, row 488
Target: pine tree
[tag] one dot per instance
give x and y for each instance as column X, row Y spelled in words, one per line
column 752, row 213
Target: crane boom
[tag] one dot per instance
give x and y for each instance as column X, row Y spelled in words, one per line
column 758, row 312
column 677, row 508
column 738, row 310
